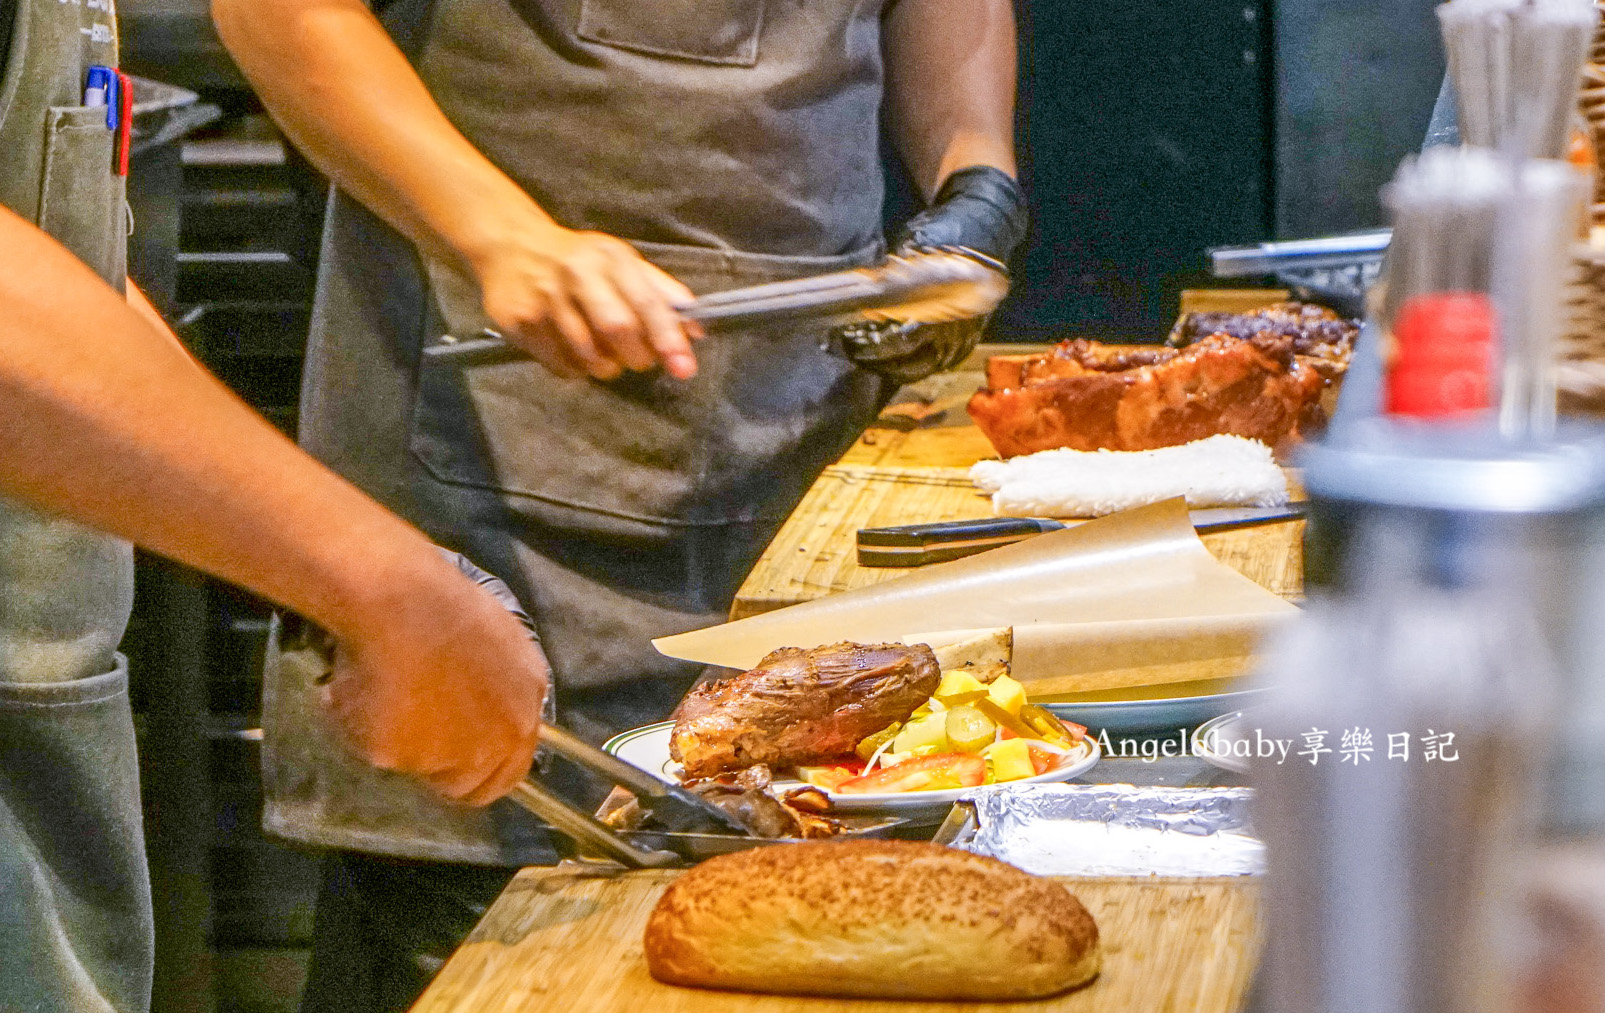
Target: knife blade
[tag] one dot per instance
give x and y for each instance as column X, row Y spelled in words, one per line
column 921, row 544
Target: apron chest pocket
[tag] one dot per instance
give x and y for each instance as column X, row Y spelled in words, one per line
column 707, row 31
column 80, row 200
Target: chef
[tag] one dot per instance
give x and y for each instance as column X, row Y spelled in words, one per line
column 559, row 173
column 108, row 421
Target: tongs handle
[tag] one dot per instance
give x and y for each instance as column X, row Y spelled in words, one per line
column 585, row 830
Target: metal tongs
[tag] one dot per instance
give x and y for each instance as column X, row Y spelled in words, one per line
column 928, row 287
column 674, row 809
column 1300, row 254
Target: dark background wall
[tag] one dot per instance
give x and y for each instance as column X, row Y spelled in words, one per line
column 1151, row 130
column 1146, row 136
column 1355, row 83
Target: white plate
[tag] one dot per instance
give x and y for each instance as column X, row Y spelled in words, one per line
column 1164, row 714
column 1212, row 742
column 648, row 748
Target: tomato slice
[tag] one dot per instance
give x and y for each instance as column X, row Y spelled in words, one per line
column 830, row 776
column 923, row 773
column 1041, row 760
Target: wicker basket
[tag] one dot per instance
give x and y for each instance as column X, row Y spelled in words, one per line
column 1580, row 378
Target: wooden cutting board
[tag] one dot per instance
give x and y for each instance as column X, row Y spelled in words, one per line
column 559, row 940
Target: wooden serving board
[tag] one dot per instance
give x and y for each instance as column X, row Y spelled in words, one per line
column 559, row 940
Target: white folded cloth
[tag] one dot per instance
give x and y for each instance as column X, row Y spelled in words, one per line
column 1217, row 471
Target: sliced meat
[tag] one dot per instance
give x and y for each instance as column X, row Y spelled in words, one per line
column 801, row 706
column 800, row 813
column 754, row 808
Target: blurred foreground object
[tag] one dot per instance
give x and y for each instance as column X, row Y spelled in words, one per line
column 1456, row 576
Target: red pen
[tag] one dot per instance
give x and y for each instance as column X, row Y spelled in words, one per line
column 125, row 121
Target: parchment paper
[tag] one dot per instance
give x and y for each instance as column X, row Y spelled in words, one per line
column 1127, row 600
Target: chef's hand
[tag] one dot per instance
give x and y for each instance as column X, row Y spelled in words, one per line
column 981, row 208
column 585, row 303
column 453, row 694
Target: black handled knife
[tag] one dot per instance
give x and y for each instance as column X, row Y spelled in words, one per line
column 919, row 544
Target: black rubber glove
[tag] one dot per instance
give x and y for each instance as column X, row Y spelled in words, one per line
column 979, row 208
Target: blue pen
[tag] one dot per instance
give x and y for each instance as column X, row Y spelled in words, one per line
column 101, row 89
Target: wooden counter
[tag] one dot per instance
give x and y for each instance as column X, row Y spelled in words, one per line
column 560, row 940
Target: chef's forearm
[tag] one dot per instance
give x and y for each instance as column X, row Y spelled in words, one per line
column 141, row 305
column 107, row 421
column 345, row 94
column 950, row 85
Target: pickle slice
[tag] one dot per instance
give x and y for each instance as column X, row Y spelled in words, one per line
column 970, row 731
column 1007, row 720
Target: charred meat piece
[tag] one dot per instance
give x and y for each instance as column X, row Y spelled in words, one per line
column 754, row 808
column 1070, row 358
column 802, row 813
column 1258, row 387
column 798, row 814
column 801, row 707
column 1079, row 357
column 1317, row 332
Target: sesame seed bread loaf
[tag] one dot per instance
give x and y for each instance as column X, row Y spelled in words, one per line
column 876, row 919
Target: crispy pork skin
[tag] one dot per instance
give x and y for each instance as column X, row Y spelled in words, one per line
column 1259, row 375
column 1087, row 396
column 801, row 706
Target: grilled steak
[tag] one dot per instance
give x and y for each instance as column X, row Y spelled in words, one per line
column 801, row 707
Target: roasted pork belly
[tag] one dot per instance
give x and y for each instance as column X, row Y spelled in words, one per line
column 1084, row 396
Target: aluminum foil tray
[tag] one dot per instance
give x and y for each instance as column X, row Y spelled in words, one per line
column 1110, row 830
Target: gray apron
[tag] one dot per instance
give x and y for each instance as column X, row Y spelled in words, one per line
column 732, row 142
column 75, row 919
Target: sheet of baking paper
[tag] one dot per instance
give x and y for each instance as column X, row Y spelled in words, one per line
column 1059, row 658
column 1063, row 659
column 1124, row 600
column 1117, row 830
